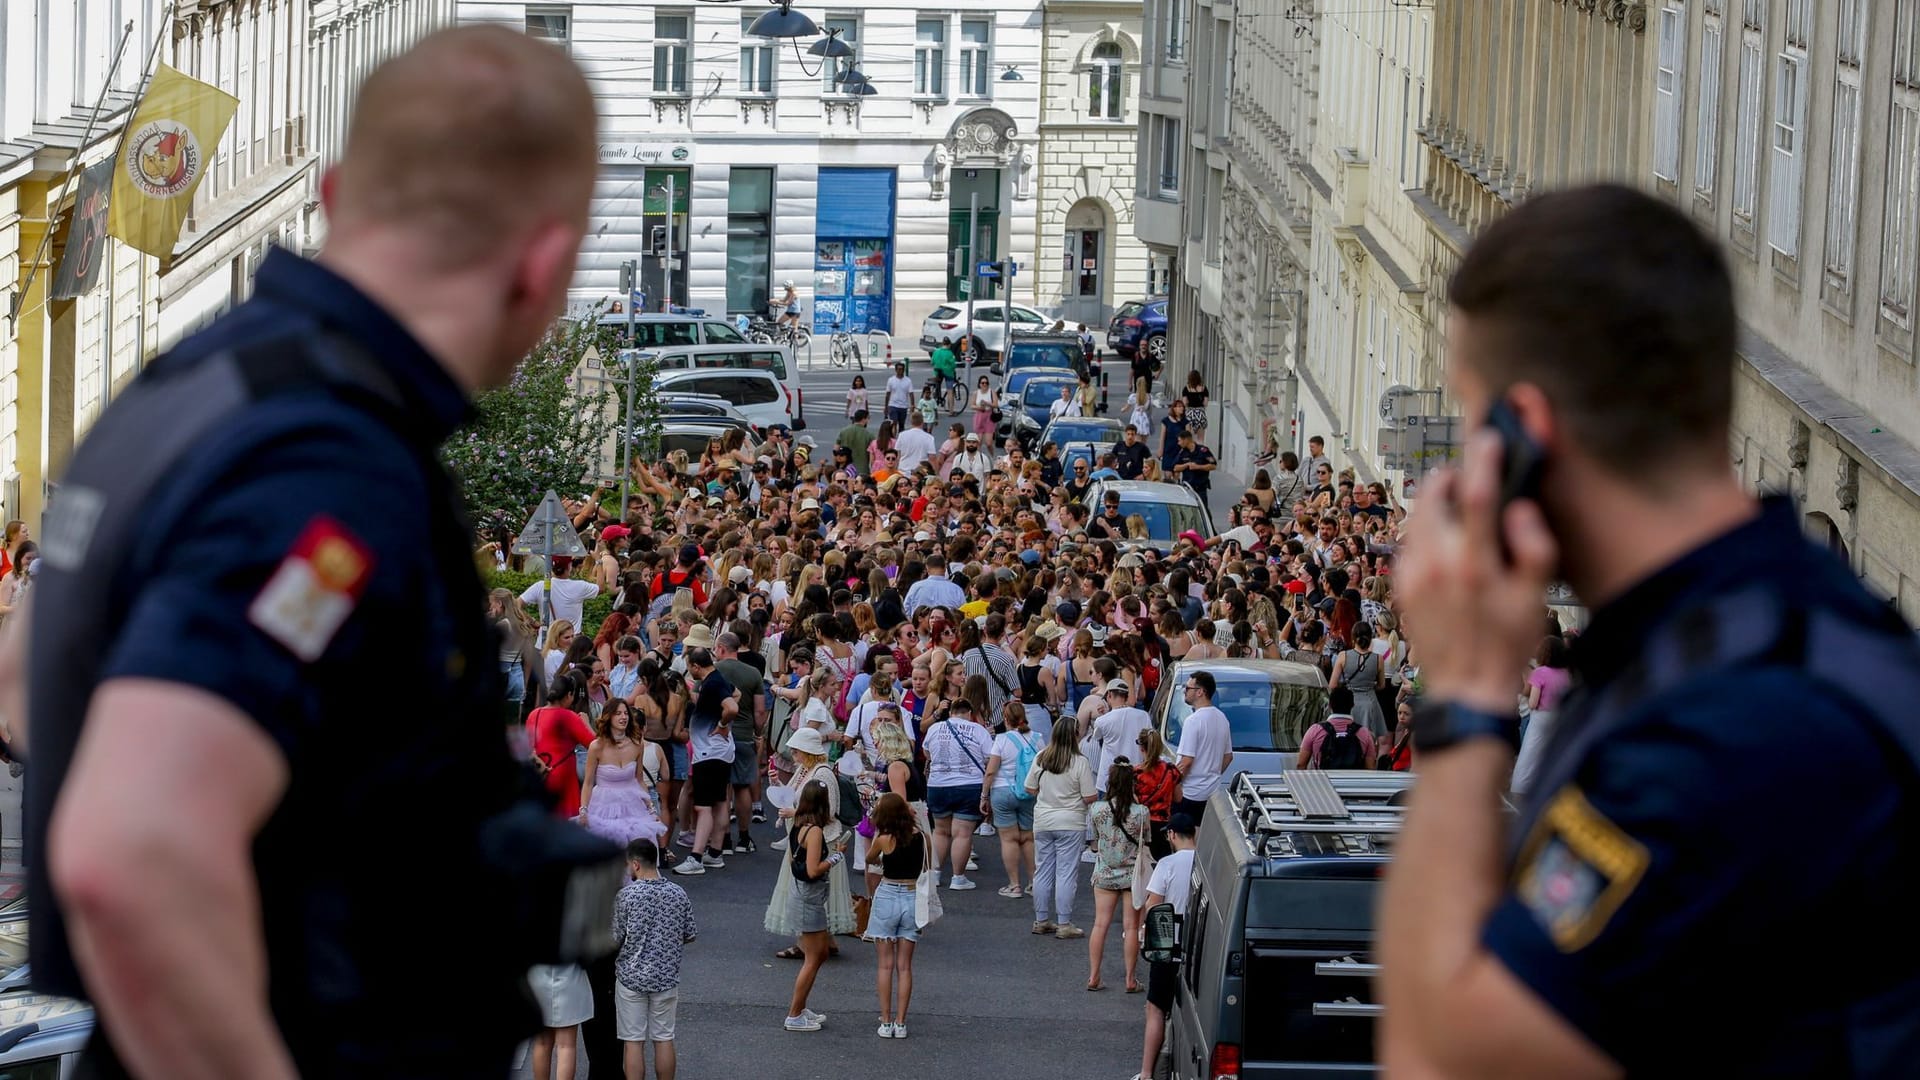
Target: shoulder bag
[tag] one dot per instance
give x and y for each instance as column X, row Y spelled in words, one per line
column 927, row 908
column 1143, row 864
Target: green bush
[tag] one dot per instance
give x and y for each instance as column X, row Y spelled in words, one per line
column 592, row 614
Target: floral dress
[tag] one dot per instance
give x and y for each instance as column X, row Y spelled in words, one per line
column 1115, row 845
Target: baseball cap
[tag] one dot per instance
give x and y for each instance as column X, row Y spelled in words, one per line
column 689, row 553
column 922, row 536
column 973, row 437
column 809, row 504
column 1030, row 556
column 615, row 532
column 1119, row 686
column 739, row 574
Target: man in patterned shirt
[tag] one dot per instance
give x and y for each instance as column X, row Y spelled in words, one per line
column 652, row 922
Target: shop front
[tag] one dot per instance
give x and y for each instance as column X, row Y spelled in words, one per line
column 853, row 251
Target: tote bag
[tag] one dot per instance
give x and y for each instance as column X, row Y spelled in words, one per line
column 926, row 891
column 1143, row 864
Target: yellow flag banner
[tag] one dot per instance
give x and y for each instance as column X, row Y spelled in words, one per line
column 170, row 142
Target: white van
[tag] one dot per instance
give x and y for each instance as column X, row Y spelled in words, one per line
column 757, row 394
column 775, row 360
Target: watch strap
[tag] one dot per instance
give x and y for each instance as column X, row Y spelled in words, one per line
column 1438, row 725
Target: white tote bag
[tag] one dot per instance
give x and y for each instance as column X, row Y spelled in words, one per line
column 1143, row 864
column 926, row 891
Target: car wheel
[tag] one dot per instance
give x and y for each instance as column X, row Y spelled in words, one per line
column 1156, row 347
column 979, row 351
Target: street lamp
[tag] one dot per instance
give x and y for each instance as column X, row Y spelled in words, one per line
column 1012, row 74
column 783, row 23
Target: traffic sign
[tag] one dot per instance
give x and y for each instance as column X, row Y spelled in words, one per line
column 966, row 288
column 992, row 269
column 549, row 532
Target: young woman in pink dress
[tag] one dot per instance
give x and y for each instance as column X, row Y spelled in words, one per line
column 618, row 795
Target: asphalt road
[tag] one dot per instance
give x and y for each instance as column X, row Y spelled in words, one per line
column 990, row 998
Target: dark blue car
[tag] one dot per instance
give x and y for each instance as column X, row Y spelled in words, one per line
column 1140, row 324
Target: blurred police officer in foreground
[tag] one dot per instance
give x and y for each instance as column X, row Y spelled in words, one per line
column 1714, row 873
column 247, row 867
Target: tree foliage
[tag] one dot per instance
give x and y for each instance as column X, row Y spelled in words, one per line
column 541, row 430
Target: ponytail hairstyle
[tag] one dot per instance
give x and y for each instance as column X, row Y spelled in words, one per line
column 1120, row 791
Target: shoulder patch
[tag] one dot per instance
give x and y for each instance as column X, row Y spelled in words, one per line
column 309, row 598
column 1577, row 869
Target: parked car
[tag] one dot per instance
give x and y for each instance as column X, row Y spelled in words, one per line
column 1035, row 408
column 1140, row 324
column 775, row 359
column 949, row 321
column 653, row 330
column 1015, row 383
column 1043, row 349
column 1277, row 970
column 1168, row 509
column 760, row 397
column 1081, row 436
column 692, row 436
column 1270, row 704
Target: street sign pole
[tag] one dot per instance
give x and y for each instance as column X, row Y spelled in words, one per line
column 666, row 298
column 1006, row 310
column 630, row 275
column 973, row 273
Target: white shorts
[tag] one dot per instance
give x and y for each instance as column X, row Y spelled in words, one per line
column 642, row 1017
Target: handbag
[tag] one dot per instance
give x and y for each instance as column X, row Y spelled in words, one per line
column 1143, row 864
column 862, row 911
column 927, row 908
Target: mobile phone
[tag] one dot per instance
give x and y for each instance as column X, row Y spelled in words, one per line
column 1521, row 458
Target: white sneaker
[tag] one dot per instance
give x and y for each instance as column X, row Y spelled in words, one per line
column 714, row 861
column 813, row 1016
column 779, row 845
column 885, row 1032
column 1087, row 855
column 899, row 1031
column 973, row 863
column 801, row 1023
column 689, row 865
column 961, row 883
column 986, row 829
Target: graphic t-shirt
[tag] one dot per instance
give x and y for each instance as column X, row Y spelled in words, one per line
column 711, row 741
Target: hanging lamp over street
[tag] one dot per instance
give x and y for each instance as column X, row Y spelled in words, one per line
column 829, row 46
column 783, row 22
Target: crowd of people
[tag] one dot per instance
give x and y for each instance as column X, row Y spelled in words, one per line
column 870, row 656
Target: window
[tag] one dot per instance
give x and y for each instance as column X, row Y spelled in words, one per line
column 1176, row 30
column 1706, row 159
column 1170, row 151
column 749, row 240
column 1668, row 89
column 976, row 57
column 1746, row 133
column 756, row 61
column 930, row 58
column 1900, row 254
column 849, row 29
column 671, row 34
column 1843, row 179
column 1103, row 82
column 1789, row 132
column 548, row 23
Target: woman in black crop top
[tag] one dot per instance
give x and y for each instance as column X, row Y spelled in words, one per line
column 896, row 856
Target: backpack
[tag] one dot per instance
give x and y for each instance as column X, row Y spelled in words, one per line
column 842, row 705
column 1023, row 764
column 1342, row 749
column 1150, row 678
column 851, row 811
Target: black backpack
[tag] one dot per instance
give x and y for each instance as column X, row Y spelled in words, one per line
column 1342, row 749
column 850, row 809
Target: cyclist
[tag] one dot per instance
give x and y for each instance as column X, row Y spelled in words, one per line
column 946, row 375
column 789, row 305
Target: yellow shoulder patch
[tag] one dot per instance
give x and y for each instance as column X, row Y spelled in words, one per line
column 1576, row 869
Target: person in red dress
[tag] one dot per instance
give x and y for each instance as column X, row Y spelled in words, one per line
column 555, row 730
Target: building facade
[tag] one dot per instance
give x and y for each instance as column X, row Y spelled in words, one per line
column 1089, row 260
column 1228, row 117
column 1791, row 130
column 731, row 164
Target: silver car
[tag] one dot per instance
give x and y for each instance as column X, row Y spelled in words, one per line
column 1270, row 704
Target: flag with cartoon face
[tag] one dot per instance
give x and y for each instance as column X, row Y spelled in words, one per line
column 170, row 141
column 79, row 268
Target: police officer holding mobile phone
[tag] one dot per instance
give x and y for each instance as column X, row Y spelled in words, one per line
column 256, row 537
column 1676, row 893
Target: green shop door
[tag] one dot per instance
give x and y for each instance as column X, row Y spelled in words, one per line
column 964, row 252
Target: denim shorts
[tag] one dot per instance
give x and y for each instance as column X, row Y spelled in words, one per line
column 676, row 758
column 961, row 802
column 1012, row 812
column 892, row 918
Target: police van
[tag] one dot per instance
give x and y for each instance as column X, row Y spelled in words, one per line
column 1276, row 947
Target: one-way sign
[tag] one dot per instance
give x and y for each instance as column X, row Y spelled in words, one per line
column 992, row 269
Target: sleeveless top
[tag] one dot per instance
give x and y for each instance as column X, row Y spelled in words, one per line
column 904, row 862
column 797, row 857
column 916, row 780
column 1031, row 692
column 1363, row 677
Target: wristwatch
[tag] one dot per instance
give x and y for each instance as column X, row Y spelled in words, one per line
column 1440, row 724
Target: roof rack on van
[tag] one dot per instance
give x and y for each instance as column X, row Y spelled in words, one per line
column 1307, row 812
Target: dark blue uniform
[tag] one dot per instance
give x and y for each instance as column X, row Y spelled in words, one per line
column 1720, row 882
column 306, row 562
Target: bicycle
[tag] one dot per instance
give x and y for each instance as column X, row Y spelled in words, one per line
column 842, row 348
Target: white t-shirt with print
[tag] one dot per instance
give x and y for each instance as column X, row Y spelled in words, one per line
column 1207, row 737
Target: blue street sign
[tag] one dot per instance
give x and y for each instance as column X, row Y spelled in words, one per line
column 992, row 269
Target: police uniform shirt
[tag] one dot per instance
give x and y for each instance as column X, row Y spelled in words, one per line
column 309, row 478
column 1729, row 870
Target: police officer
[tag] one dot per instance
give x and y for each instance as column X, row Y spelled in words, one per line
column 243, row 872
column 1700, row 880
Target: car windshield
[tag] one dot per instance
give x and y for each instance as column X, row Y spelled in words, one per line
column 1164, row 520
column 1092, row 431
column 1018, row 381
column 1043, row 392
column 1264, row 715
column 772, row 361
column 1043, row 354
column 944, row 313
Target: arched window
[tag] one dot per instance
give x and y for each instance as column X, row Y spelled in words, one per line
column 1103, row 82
